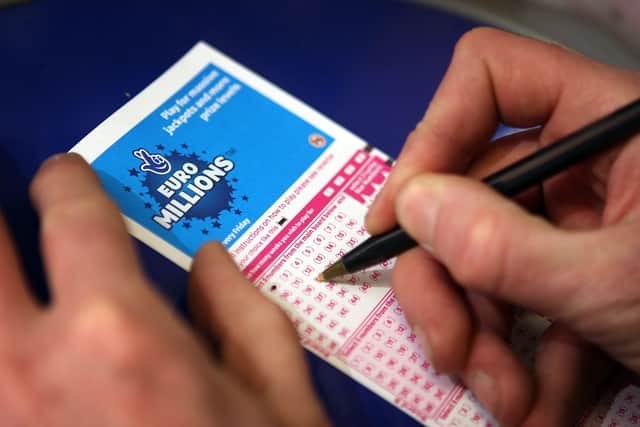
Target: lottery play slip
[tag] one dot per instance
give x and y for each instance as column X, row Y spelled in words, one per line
column 211, row 151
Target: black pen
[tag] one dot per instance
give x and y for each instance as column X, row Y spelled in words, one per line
column 510, row 181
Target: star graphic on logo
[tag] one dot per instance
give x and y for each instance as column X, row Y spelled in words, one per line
column 245, row 198
column 127, row 189
column 185, row 146
column 237, row 212
column 206, row 215
column 133, row 172
column 234, row 179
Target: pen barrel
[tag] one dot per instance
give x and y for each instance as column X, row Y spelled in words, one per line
column 378, row 249
column 604, row 133
column 533, row 169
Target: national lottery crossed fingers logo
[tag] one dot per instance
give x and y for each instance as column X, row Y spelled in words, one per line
column 186, row 189
column 152, row 162
column 209, row 161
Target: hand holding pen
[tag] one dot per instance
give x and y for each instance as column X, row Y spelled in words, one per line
column 568, row 249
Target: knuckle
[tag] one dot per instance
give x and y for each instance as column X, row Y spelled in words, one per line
column 81, row 210
column 110, row 330
column 479, row 253
column 601, row 103
column 474, row 40
column 89, row 219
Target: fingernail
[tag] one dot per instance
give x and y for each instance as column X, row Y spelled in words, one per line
column 373, row 203
column 417, row 210
column 484, row 388
column 369, row 222
column 56, row 158
column 423, row 341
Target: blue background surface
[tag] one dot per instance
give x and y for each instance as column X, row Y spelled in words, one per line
column 65, row 66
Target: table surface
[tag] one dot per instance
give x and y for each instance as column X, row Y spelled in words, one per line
column 371, row 65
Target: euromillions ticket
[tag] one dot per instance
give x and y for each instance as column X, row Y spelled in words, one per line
column 212, row 151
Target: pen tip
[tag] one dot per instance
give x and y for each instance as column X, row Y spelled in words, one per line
column 335, row 270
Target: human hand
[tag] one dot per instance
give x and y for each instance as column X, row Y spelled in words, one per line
column 108, row 351
column 578, row 265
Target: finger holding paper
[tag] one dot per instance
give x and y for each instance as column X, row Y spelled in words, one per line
column 108, row 348
column 258, row 342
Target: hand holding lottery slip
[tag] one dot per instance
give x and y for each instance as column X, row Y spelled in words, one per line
column 192, row 158
column 183, row 175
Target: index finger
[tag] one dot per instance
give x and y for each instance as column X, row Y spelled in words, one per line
column 85, row 244
column 496, row 77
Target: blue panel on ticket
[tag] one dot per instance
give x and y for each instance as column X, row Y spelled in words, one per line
column 209, row 161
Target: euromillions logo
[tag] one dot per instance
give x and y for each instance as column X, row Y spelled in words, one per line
column 154, row 163
column 195, row 191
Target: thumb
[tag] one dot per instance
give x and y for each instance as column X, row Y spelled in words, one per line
column 491, row 245
column 259, row 344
